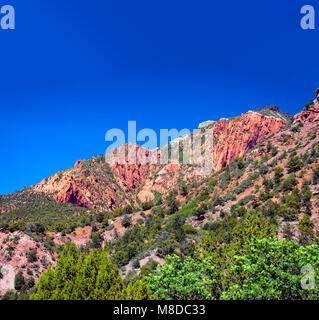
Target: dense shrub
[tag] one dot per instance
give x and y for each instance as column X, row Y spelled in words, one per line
column 273, row 270
column 183, row 280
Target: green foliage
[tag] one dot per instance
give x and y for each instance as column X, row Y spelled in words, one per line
column 147, row 205
column 200, row 212
column 172, row 202
column 92, row 277
column 263, row 170
column 128, row 210
column 278, row 175
column 272, row 270
column 35, row 212
column 240, row 162
column 126, row 221
column 176, row 227
column 121, row 258
column 96, row 239
column 306, row 198
column 249, row 182
column 18, row 225
column 273, row 111
column 289, row 183
column 32, row 255
column 167, row 245
column 225, row 179
column 305, row 231
column 294, row 164
column 288, row 213
column 308, row 105
column 19, row 281
column 191, row 279
column 287, row 232
column 145, row 271
column 138, row 290
column 315, row 174
column 183, row 189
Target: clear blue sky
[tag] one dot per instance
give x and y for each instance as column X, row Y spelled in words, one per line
column 73, row 69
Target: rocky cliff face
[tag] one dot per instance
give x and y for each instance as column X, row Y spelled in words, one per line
column 98, row 185
column 311, row 114
column 95, row 184
column 235, row 137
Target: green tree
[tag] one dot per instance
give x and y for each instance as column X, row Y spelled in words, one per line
column 10, row 295
column 289, row 183
column 177, row 227
column 172, row 203
column 278, row 175
column 287, row 232
column 306, row 198
column 305, row 231
column 19, row 281
column 147, row 205
column 145, row 271
column 32, row 255
column 272, row 270
column 294, row 164
column 139, row 290
column 315, row 174
column 183, row 280
column 126, row 221
column 200, row 212
column 128, row 209
column 93, row 277
column 120, row 258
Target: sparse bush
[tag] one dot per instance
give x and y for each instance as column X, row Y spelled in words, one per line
column 294, row 164
column 289, row 183
column 126, row 221
column 278, row 175
column 32, row 255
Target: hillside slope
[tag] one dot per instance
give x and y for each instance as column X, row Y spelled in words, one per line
column 265, row 168
column 95, row 184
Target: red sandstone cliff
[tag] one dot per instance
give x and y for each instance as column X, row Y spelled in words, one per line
column 235, row 137
column 97, row 185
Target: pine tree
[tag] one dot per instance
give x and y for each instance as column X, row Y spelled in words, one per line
column 305, row 230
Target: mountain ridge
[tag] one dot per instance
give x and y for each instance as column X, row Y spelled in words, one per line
column 265, row 168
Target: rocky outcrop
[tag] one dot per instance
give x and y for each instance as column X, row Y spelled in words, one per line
column 101, row 183
column 234, row 137
column 95, row 184
column 311, row 114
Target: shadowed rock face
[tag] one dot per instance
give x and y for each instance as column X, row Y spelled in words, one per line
column 97, row 185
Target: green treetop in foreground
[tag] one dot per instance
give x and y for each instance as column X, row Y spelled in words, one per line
column 93, row 277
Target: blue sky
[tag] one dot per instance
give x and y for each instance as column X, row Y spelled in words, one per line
column 74, row 69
